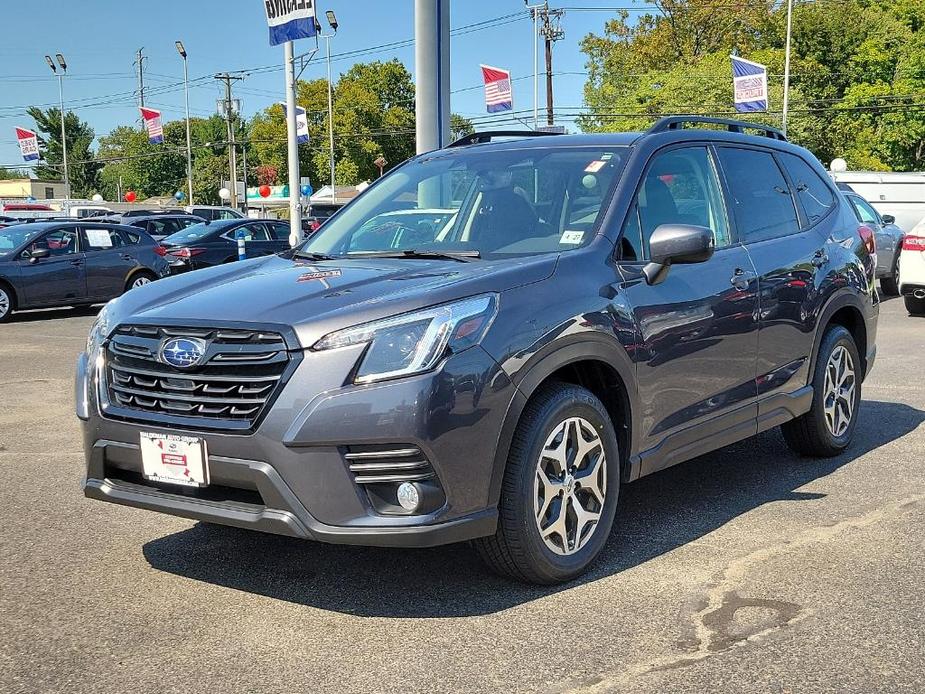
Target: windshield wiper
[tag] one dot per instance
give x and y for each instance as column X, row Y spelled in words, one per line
column 312, row 256
column 458, row 256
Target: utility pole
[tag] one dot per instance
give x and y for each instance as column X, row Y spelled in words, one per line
column 228, row 108
column 140, row 59
column 552, row 32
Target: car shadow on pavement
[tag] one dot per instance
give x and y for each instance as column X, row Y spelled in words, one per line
column 657, row 514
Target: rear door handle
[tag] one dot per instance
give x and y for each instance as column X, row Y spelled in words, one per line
column 820, row 258
column 126, row 256
column 742, row 278
column 77, row 262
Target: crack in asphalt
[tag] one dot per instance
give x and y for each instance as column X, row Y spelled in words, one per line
column 715, row 627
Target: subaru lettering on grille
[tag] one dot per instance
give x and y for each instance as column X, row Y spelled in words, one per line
column 183, row 352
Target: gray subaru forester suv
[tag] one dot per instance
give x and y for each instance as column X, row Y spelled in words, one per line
column 491, row 340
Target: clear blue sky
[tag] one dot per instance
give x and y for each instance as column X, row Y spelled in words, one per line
column 99, row 39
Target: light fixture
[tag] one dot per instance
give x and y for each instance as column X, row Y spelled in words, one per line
column 61, row 61
column 332, row 19
column 180, row 49
column 408, row 496
column 51, row 63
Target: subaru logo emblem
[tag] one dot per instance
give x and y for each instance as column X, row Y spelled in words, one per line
column 183, row 352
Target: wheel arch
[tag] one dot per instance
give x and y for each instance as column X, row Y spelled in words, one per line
column 847, row 311
column 8, row 285
column 135, row 272
column 597, row 364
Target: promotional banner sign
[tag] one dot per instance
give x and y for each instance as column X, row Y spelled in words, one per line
column 750, row 84
column 28, row 144
column 498, row 93
column 301, row 122
column 290, row 20
column 153, row 124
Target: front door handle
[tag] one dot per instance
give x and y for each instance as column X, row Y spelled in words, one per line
column 126, row 256
column 78, row 262
column 742, row 278
column 820, row 258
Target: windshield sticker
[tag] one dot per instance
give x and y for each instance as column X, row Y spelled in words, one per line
column 607, row 156
column 326, row 274
column 595, row 166
column 572, row 237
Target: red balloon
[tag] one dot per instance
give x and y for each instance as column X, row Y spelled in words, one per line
column 131, row 196
column 265, row 191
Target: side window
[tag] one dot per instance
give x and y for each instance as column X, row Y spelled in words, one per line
column 252, row 232
column 100, row 239
column 816, row 197
column 130, row 238
column 867, row 213
column 630, row 249
column 280, row 231
column 59, row 242
column 681, row 186
column 761, row 199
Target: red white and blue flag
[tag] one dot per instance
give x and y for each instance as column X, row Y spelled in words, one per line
column 498, row 93
column 152, row 120
column 28, row 144
column 750, row 85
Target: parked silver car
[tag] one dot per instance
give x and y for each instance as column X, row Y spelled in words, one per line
column 889, row 242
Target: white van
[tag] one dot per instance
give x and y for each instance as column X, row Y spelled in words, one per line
column 83, row 211
column 899, row 194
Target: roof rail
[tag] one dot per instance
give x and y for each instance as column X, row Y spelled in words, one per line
column 733, row 126
column 489, row 135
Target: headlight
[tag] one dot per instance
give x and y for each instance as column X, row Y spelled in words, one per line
column 99, row 331
column 415, row 342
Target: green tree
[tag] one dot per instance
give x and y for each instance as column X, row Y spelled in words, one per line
column 10, row 174
column 82, row 170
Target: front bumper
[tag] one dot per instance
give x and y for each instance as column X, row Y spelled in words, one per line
column 290, row 476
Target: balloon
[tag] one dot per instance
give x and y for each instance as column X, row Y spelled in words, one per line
column 306, row 190
column 224, row 194
column 179, row 195
column 131, row 196
column 265, row 191
column 97, row 198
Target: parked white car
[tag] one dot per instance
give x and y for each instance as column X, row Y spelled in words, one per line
column 912, row 270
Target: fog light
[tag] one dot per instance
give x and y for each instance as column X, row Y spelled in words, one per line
column 408, row 496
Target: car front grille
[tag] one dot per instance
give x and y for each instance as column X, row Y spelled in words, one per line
column 239, row 375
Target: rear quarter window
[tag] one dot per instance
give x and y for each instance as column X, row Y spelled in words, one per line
column 813, row 192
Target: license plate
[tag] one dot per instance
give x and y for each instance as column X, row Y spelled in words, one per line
column 174, row 459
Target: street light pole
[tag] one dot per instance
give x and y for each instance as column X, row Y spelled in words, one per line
column 60, row 75
column 189, row 145
column 787, row 68
column 332, row 21
column 295, row 216
column 534, row 9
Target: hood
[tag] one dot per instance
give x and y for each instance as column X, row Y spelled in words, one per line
column 316, row 298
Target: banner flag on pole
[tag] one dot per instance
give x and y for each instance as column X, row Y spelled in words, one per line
column 290, row 20
column 750, row 84
column 498, row 93
column 28, row 144
column 301, row 122
column 152, row 120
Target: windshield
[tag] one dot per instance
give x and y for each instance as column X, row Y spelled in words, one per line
column 192, row 233
column 490, row 202
column 13, row 237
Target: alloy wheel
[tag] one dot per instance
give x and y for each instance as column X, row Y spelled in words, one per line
column 840, row 384
column 570, row 486
column 5, row 303
column 141, row 281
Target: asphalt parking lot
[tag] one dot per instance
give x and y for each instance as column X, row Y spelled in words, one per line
column 745, row 570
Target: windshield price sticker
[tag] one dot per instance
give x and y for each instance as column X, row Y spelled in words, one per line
column 99, row 238
column 595, row 166
column 572, row 237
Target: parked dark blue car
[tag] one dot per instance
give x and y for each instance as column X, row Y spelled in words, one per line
column 67, row 263
column 215, row 243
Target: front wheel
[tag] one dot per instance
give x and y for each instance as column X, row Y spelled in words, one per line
column 560, row 489
column 6, row 304
column 827, row 428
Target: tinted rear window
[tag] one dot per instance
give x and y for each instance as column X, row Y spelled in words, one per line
column 814, row 194
column 761, row 198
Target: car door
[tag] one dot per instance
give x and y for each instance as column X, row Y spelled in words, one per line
column 59, row 278
column 697, row 330
column 279, row 233
column 257, row 240
column 108, row 262
column 780, row 222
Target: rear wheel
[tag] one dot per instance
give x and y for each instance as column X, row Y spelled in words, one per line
column 7, row 303
column 140, row 279
column 560, row 489
column 890, row 285
column 915, row 307
column 827, row 428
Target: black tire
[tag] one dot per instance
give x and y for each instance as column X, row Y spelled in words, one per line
column 810, row 435
column 144, row 274
column 7, row 303
column 890, row 285
column 517, row 550
column 915, row 307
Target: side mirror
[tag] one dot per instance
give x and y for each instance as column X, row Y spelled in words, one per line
column 681, row 244
column 39, row 254
column 888, row 219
